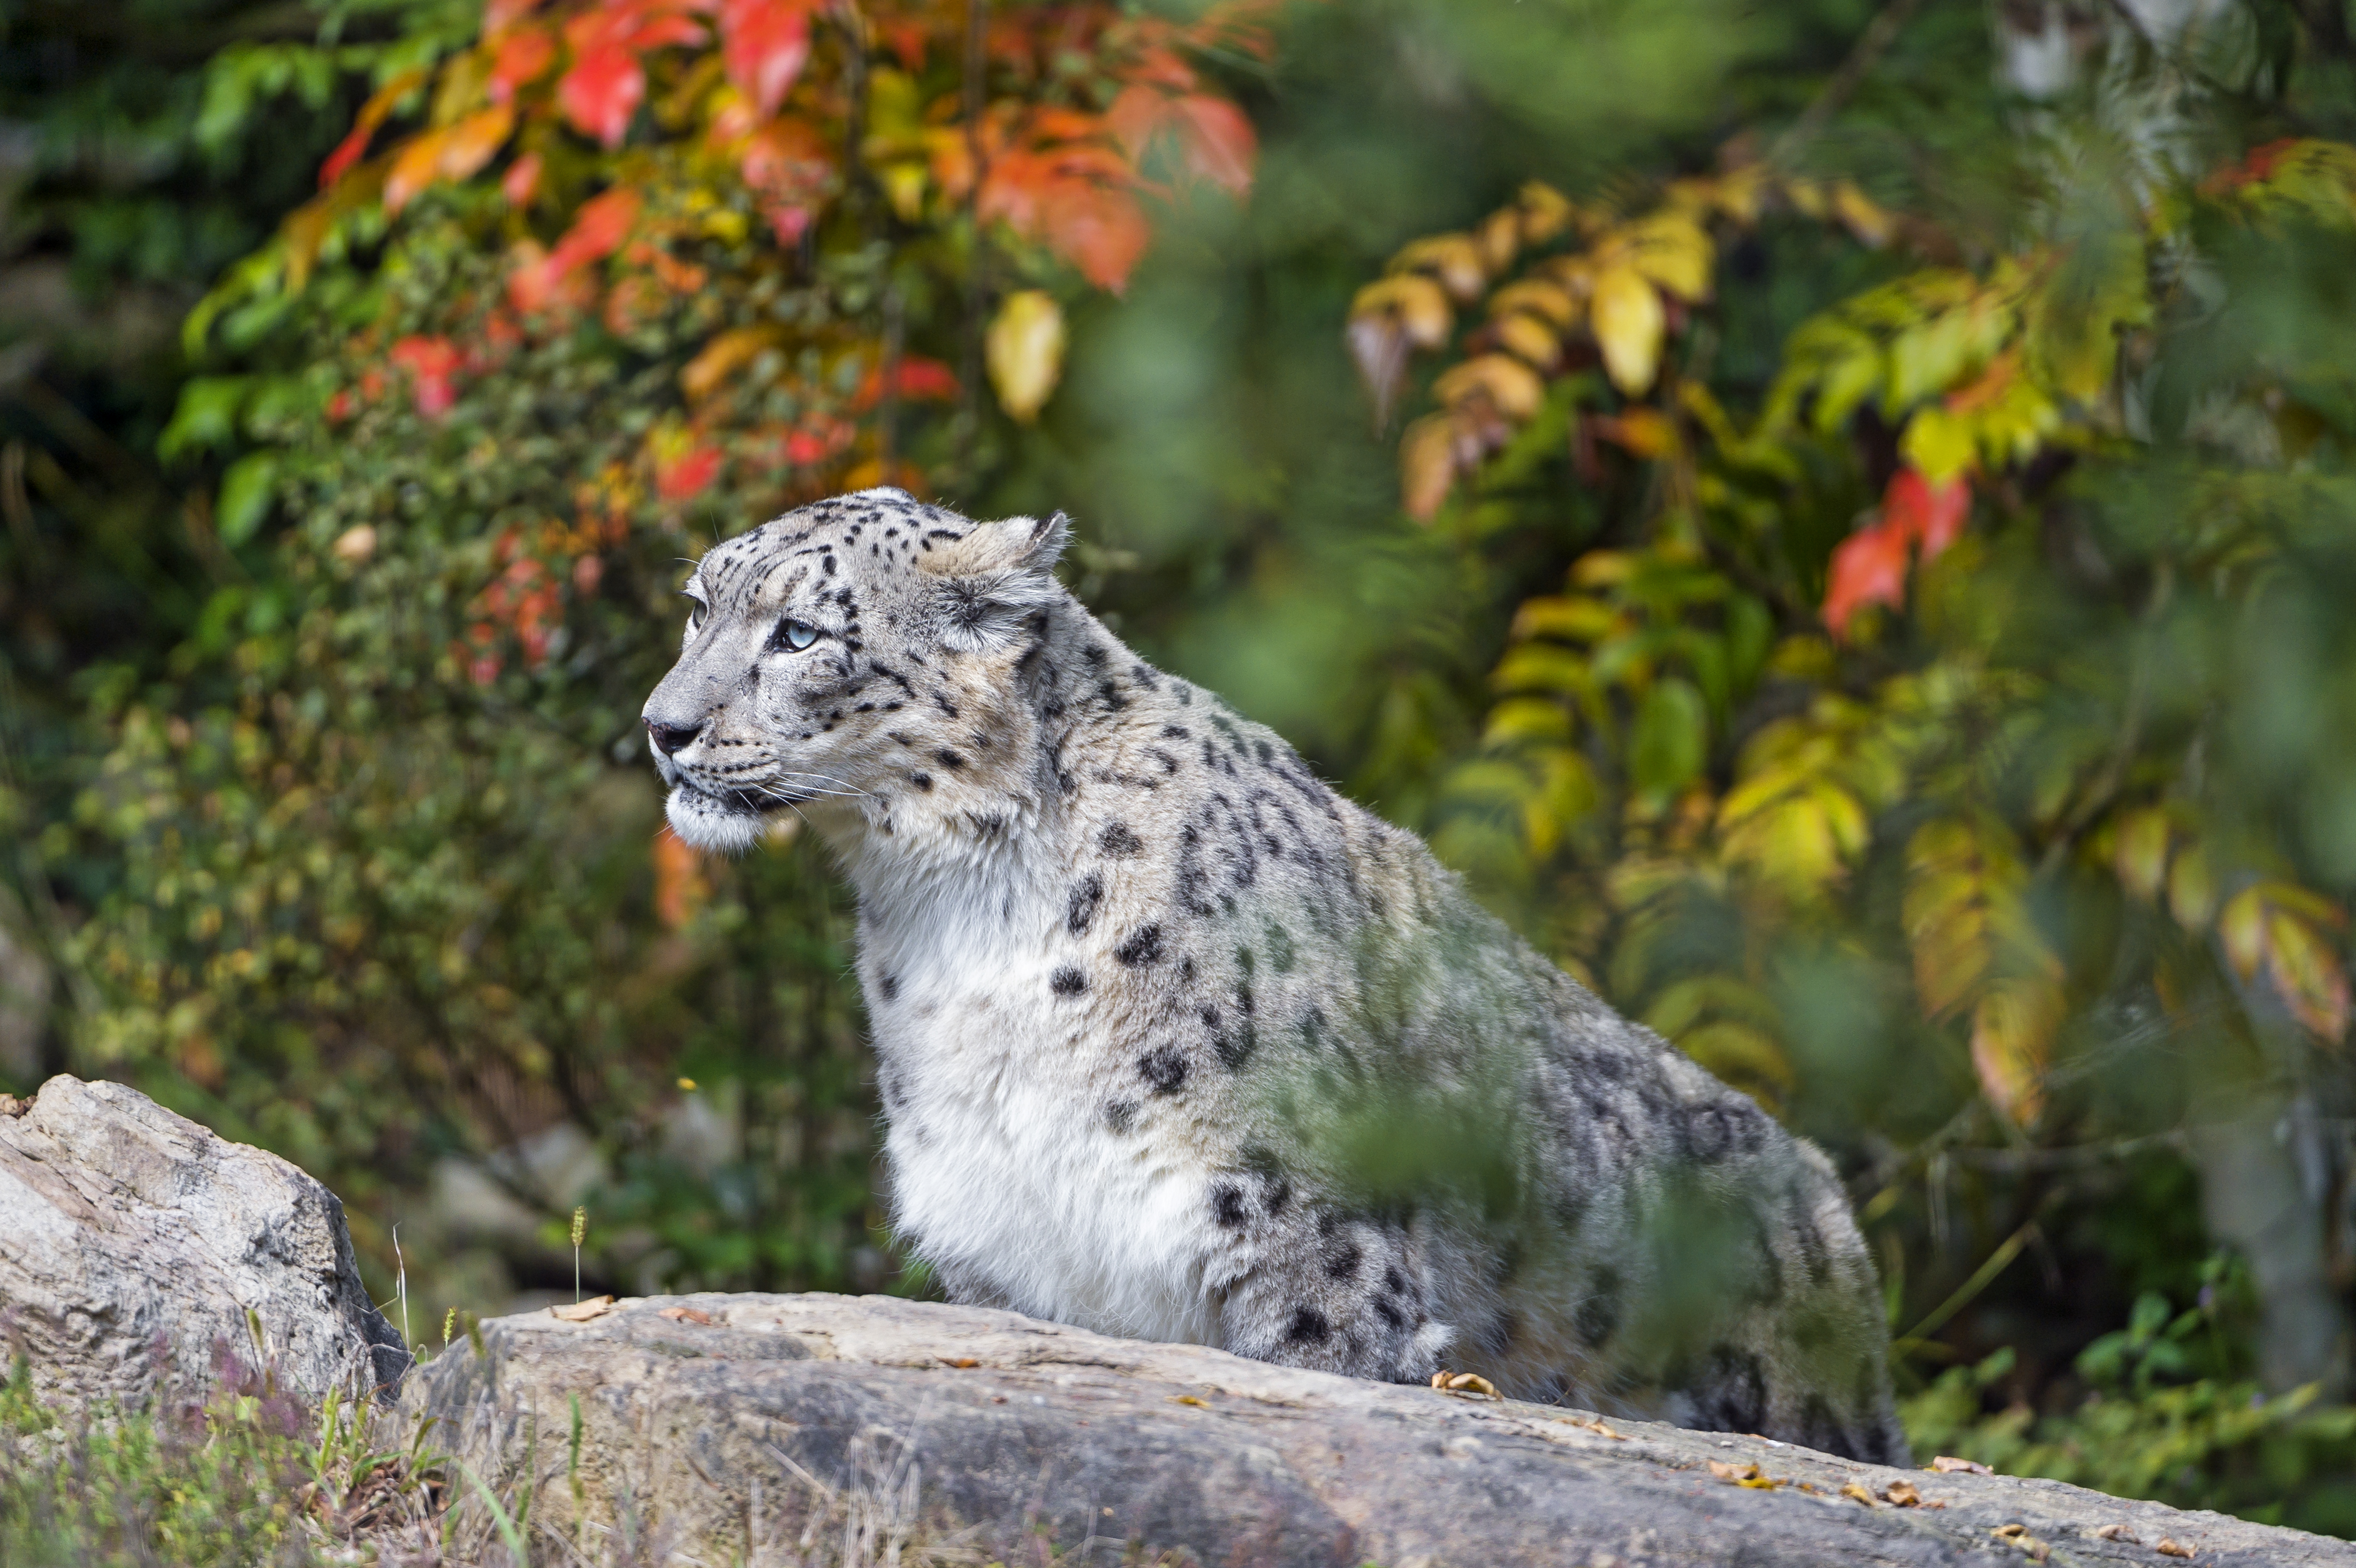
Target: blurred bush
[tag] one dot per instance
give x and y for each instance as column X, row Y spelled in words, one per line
column 1855, row 579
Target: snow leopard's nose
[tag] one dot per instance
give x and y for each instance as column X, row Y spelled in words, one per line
column 669, row 738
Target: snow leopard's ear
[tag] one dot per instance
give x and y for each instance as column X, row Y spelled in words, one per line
column 994, row 577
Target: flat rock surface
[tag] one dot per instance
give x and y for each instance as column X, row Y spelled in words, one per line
column 747, row 1427
column 134, row 1243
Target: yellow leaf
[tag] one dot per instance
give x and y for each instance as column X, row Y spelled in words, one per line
column 1746, row 1058
column 1538, row 297
column 1500, row 239
column 904, row 186
column 1528, row 719
column 1937, row 443
column 2192, row 889
column 1673, row 251
column 1511, row 388
column 1530, row 339
column 1870, row 224
column 2012, row 1037
column 1577, row 619
column 1416, row 303
column 2242, row 929
column 1454, row 259
column 1427, row 465
column 2141, row 857
column 1024, row 349
column 1628, row 322
column 2308, row 975
column 1545, row 212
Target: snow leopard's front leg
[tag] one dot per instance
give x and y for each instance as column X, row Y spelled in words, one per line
column 1305, row 1286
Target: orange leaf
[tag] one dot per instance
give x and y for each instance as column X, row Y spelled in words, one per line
column 680, row 884
column 470, row 144
column 1868, row 567
column 521, row 58
column 1136, row 116
column 1100, row 230
column 601, row 91
column 414, row 169
column 1220, row 144
column 1427, row 465
column 719, row 358
column 372, row 116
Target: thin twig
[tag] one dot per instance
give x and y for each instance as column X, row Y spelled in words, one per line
column 1871, row 45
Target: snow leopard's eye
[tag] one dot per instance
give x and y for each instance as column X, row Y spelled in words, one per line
column 793, row 636
column 696, row 610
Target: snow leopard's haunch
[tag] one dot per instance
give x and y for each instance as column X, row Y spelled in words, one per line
column 1175, row 1042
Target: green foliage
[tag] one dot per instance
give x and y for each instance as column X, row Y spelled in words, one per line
column 1996, row 837
column 2162, row 1414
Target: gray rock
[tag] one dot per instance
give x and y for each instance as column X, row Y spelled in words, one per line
column 751, row 1428
column 134, row 1243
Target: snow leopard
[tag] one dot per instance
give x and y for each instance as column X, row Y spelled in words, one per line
column 1173, row 1041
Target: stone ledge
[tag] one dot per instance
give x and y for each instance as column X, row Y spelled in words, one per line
column 720, row 1424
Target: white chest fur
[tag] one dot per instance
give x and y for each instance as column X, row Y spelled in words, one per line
column 1004, row 1169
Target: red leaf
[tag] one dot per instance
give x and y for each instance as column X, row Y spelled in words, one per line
column 522, row 179
column 918, row 380
column 1100, row 230
column 1220, row 144
column 1869, row 568
column 922, row 378
column 1931, row 515
column 521, row 57
column 601, row 91
column 906, row 40
column 597, row 231
column 687, row 474
column 347, row 151
column 765, row 43
column 431, row 361
column 789, row 224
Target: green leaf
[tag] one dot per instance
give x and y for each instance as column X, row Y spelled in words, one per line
column 205, row 419
column 1671, row 736
column 246, row 493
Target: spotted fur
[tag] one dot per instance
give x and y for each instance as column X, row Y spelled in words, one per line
column 1138, row 978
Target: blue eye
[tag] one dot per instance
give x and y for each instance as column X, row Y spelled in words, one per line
column 794, row 634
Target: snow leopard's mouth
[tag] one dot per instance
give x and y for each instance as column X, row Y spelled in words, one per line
column 735, row 802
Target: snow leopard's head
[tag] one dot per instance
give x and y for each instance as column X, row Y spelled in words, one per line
column 851, row 651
